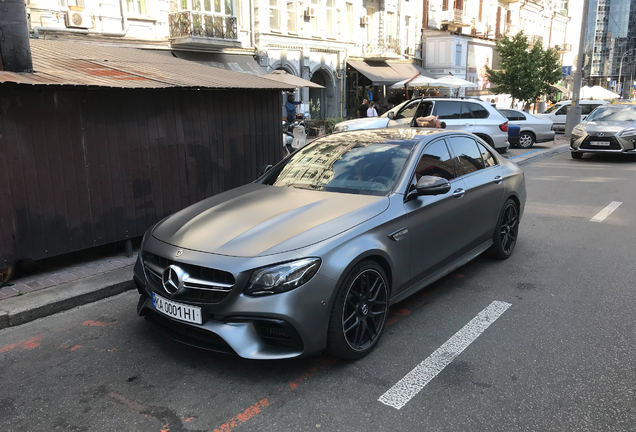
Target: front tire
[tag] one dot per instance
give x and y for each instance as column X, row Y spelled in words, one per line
column 505, row 237
column 576, row 155
column 526, row 140
column 359, row 311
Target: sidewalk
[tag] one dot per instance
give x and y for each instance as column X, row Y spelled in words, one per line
column 37, row 296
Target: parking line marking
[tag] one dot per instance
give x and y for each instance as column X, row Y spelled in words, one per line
column 600, row 217
column 523, row 154
column 409, row 386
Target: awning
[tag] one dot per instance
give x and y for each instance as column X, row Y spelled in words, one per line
column 293, row 81
column 560, row 88
column 234, row 62
column 383, row 73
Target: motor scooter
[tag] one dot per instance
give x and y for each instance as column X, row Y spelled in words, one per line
column 295, row 134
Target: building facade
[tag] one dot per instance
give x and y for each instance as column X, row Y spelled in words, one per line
column 610, row 45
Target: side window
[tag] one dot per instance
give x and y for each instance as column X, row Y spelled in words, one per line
column 448, row 110
column 424, row 109
column 587, row 108
column 467, row 155
column 466, row 112
column 563, row 110
column 521, row 117
column 408, row 111
column 479, row 111
column 435, row 161
column 487, row 157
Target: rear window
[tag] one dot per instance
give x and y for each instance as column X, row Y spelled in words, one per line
column 479, row 111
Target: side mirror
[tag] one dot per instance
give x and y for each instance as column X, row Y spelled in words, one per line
column 264, row 170
column 432, row 185
column 391, row 115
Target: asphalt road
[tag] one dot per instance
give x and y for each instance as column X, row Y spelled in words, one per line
column 559, row 358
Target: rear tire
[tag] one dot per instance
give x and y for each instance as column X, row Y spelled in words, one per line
column 526, row 140
column 576, row 155
column 506, row 232
column 359, row 311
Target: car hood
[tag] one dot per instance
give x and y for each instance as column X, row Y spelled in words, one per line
column 256, row 220
column 607, row 127
column 364, row 123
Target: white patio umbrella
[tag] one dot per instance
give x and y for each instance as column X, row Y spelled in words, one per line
column 419, row 81
column 597, row 92
column 453, row 81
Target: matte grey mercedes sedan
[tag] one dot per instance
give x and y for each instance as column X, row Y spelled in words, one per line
column 310, row 256
column 609, row 129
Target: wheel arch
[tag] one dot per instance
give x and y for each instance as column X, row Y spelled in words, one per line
column 486, row 138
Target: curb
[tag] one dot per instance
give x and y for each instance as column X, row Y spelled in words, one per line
column 544, row 155
column 39, row 304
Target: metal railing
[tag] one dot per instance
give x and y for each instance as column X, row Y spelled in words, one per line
column 202, row 24
column 381, row 46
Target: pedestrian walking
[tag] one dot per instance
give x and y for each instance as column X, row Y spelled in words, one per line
column 362, row 109
column 371, row 112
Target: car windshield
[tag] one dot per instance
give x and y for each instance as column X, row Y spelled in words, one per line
column 623, row 114
column 553, row 108
column 335, row 165
column 395, row 109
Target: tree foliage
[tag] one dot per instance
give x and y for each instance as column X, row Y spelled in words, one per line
column 526, row 72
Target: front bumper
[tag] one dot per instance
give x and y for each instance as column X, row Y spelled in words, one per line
column 614, row 144
column 285, row 325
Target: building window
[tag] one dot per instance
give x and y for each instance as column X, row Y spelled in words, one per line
column 458, row 55
column 135, row 7
column 217, row 6
column 407, row 32
column 459, row 4
column 348, row 31
column 229, row 8
column 370, row 33
column 390, row 26
column 314, row 20
column 291, row 16
column 274, row 15
column 329, row 17
column 444, row 5
column 509, row 16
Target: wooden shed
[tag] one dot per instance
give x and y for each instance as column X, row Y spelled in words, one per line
column 99, row 143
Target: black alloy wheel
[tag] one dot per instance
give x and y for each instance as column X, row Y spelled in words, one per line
column 507, row 231
column 359, row 312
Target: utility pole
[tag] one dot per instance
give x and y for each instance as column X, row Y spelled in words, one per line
column 15, row 49
column 574, row 113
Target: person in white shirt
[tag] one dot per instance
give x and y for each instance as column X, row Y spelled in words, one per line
column 371, row 112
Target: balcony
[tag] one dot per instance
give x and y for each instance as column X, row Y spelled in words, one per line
column 455, row 17
column 202, row 28
column 387, row 48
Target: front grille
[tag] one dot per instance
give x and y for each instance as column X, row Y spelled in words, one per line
column 278, row 334
column 203, row 284
column 187, row 334
column 614, row 145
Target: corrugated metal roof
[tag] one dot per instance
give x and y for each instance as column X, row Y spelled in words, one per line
column 89, row 64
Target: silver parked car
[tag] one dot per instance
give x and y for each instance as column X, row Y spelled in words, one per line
column 531, row 129
column 609, row 129
column 311, row 255
column 469, row 115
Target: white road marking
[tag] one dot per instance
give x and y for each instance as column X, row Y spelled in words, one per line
column 600, row 217
column 409, row 386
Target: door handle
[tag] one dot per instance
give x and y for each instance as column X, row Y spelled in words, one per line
column 459, row 193
column 498, row 180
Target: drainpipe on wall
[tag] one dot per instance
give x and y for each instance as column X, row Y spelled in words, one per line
column 15, row 49
column 252, row 32
column 122, row 33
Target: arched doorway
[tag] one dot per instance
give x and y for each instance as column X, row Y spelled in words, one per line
column 322, row 101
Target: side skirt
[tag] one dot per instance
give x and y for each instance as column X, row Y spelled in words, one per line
column 462, row 260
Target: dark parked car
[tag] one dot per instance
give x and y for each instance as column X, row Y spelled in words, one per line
column 311, row 255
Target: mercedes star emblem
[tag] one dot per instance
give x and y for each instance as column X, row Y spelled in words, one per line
column 179, row 252
column 172, row 279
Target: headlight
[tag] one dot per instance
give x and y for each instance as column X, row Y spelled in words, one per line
column 282, row 277
column 578, row 129
column 627, row 132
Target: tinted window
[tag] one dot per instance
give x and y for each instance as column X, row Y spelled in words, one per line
column 510, row 115
column 435, row 161
column 478, row 110
column 448, row 110
column 467, row 155
column 408, row 111
column 466, row 112
column 335, row 165
column 587, row 108
column 552, row 109
column 486, row 156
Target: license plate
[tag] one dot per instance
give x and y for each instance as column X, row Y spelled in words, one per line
column 180, row 311
column 600, row 143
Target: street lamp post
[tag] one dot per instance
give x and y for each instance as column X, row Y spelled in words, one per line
column 620, row 70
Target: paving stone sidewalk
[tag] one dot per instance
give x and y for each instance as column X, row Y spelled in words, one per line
column 17, row 287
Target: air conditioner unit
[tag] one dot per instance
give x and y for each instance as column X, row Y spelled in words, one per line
column 79, row 19
column 365, row 20
column 310, row 12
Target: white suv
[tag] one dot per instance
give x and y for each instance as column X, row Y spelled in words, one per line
column 470, row 115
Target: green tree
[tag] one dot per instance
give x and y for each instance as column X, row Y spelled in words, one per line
column 525, row 72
